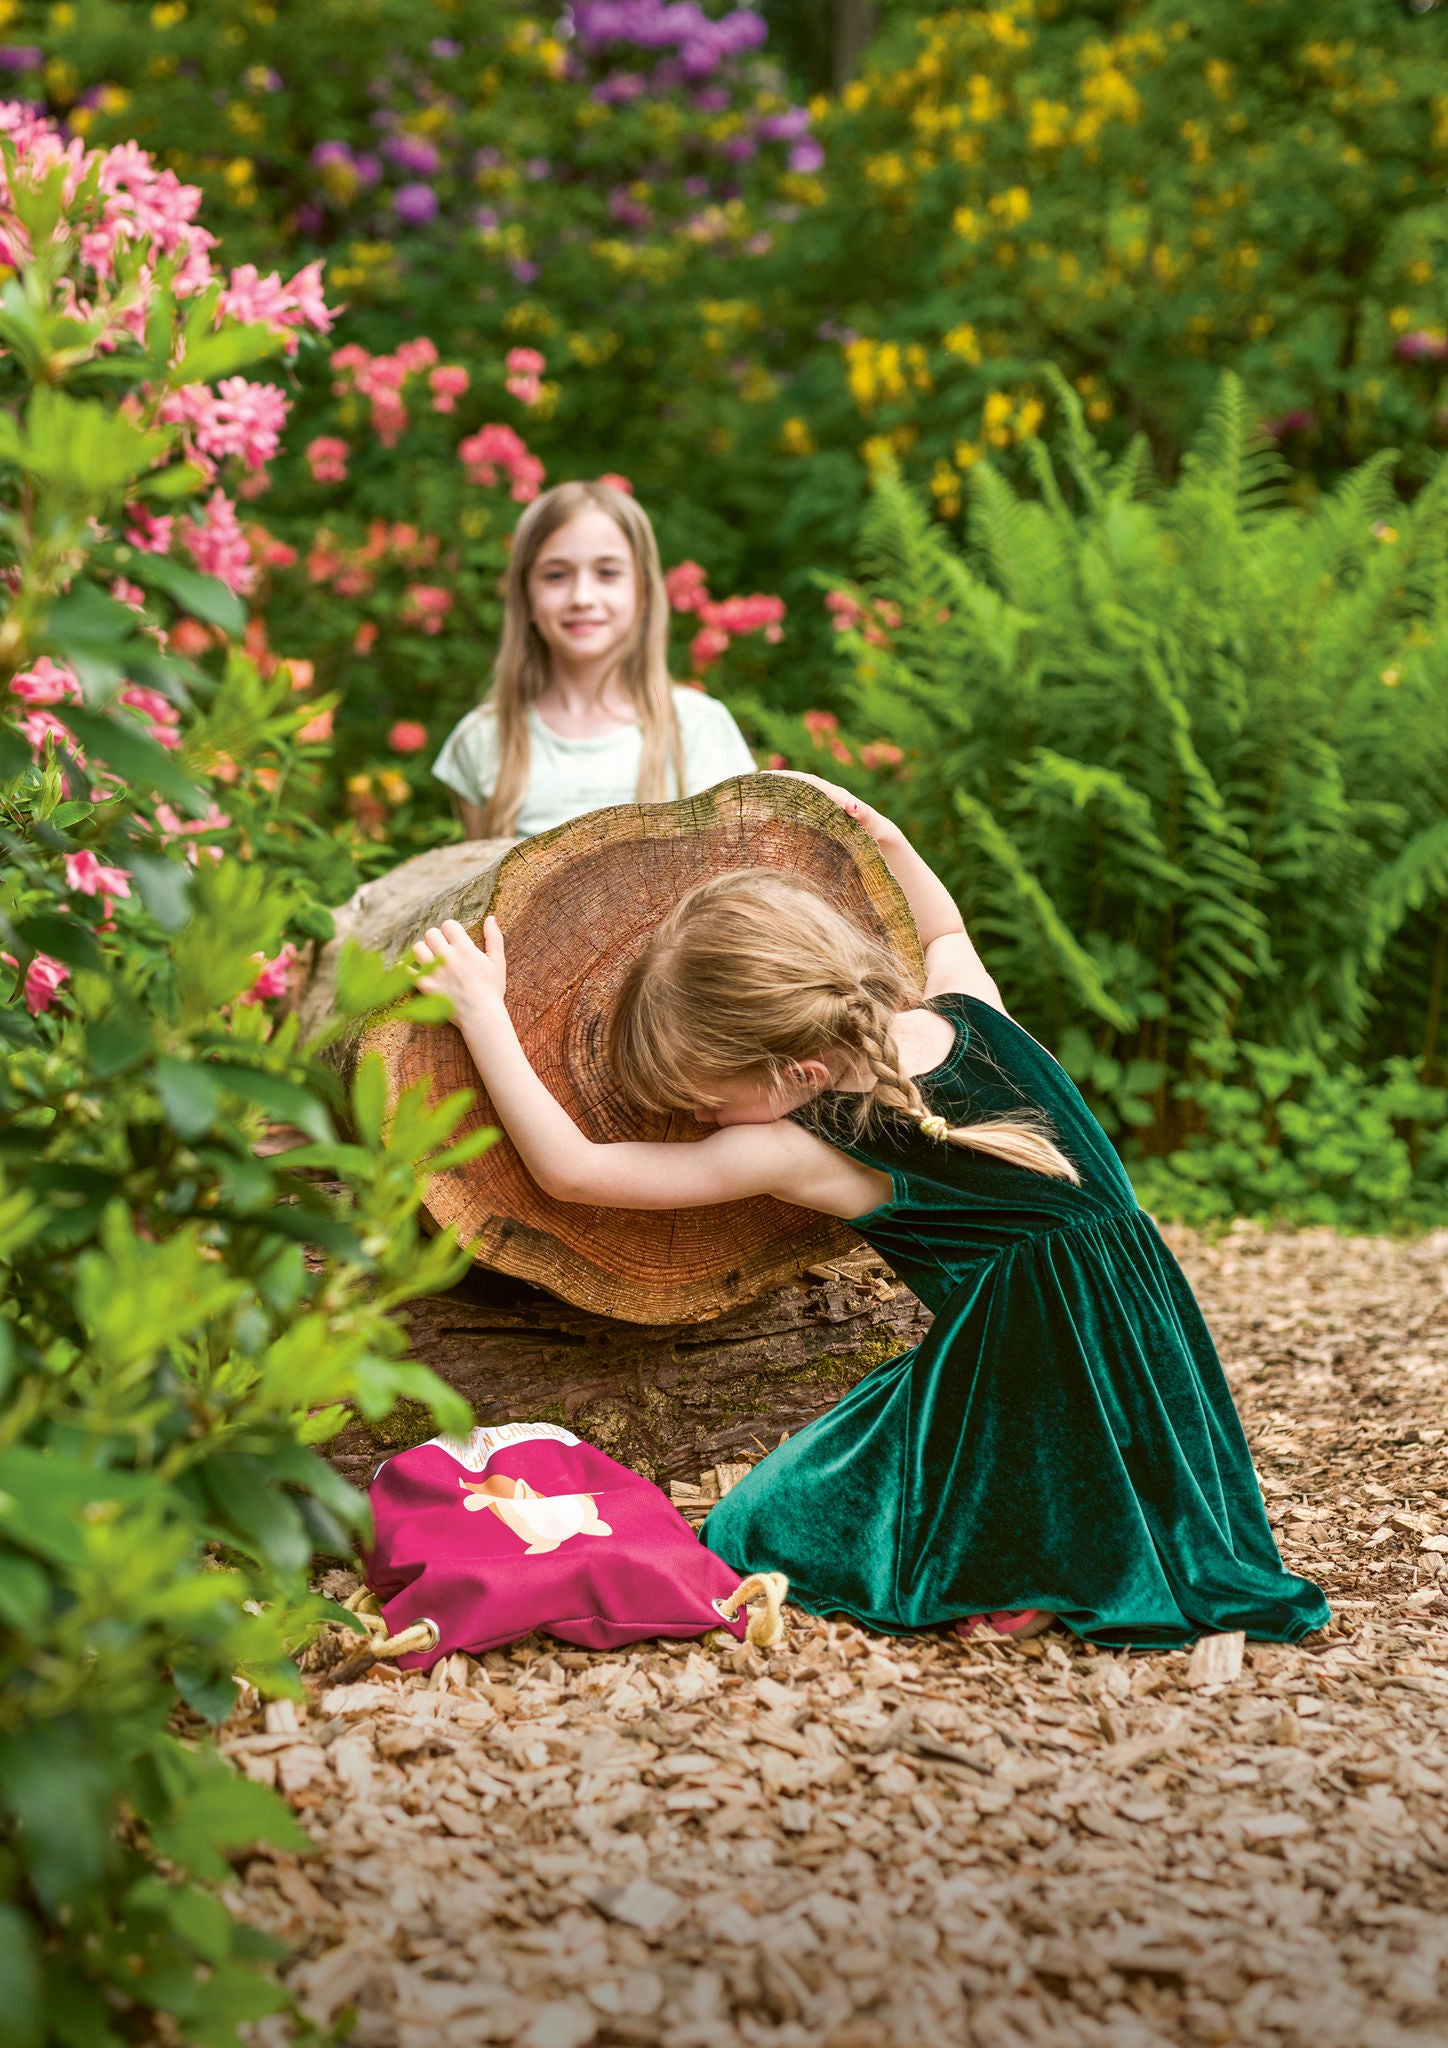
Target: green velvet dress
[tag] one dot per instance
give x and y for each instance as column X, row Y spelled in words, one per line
column 1062, row 1439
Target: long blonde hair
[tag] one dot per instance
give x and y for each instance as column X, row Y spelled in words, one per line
column 520, row 673
column 750, row 974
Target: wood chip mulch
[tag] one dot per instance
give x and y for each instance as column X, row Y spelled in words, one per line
column 891, row 1843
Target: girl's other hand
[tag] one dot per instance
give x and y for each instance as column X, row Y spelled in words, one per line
column 874, row 822
column 470, row 977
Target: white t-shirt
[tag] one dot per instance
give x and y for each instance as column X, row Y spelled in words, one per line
column 568, row 777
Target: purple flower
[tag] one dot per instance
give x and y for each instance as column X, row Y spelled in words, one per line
column 760, row 244
column 412, row 153
column 626, row 210
column 522, row 269
column 697, row 187
column 415, row 205
column 368, row 168
column 740, row 148
column 310, row 219
column 790, row 126
column 806, row 156
column 20, row 57
column 487, row 159
column 331, row 153
column 620, row 86
column 445, row 47
column 486, row 219
column 538, row 167
column 713, row 99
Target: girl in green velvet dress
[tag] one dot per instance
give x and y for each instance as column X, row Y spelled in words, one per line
column 1063, row 1443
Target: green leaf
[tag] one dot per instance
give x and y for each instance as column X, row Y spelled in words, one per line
column 20, row 1975
column 286, row 1100
column 257, row 1511
column 181, row 480
column 137, row 759
column 218, row 354
column 205, row 597
column 190, row 1095
column 14, row 754
column 64, row 938
column 210, row 1696
column 119, row 1041
column 64, row 1799
column 165, row 887
column 227, row 1812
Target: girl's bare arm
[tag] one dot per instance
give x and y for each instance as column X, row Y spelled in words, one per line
column 952, row 964
column 778, row 1159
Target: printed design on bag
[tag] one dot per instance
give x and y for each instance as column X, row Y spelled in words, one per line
column 542, row 1520
column 479, row 1445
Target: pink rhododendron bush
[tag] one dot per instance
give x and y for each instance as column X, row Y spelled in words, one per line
column 168, row 1358
column 384, row 555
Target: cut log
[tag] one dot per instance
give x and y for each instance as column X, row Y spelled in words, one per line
column 576, row 906
column 672, row 1402
column 374, row 913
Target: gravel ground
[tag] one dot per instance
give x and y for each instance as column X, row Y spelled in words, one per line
column 890, row 1843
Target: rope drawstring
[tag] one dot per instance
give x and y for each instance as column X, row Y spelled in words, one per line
column 420, row 1635
column 766, row 1628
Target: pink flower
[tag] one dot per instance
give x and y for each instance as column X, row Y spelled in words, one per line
column 85, row 873
column 819, row 724
column 493, row 448
column 46, row 683
column 407, row 737
column 448, row 383
column 365, row 637
column 416, row 355
column 238, row 418
column 172, row 827
column 616, row 482
column 128, row 593
column 744, row 614
column 687, row 587
column 843, row 609
column 43, row 978
column 327, row 459
column 316, row 730
column 427, row 605
column 159, row 712
column 266, row 301
column 39, row 726
column 881, row 754
column 525, row 367
column 706, row 647
column 149, row 532
column 272, row 976
column 219, row 548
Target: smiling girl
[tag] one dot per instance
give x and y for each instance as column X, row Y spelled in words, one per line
column 582, row 712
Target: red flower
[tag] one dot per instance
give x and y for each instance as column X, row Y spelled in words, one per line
column 407, row 737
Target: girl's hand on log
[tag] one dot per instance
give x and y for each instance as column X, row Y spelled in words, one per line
column 471, row 977
column 875, row 822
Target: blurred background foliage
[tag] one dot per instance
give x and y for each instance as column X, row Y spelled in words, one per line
column 754, row 260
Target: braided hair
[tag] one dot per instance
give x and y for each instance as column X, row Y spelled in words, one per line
column 752, row 974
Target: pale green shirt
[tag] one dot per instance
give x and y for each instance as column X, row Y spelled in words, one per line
column 568, row 777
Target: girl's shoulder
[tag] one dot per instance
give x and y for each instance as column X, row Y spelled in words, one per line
column 714, row 747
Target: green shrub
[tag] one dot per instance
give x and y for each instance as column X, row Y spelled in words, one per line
column 1182, row 753
column 170, row 1356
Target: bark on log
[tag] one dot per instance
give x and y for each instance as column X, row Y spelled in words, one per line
column 576, row 906
column 670, row 1401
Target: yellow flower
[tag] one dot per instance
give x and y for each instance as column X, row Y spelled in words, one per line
column 1012, row 206
column 244, row 119
column 795, row 438
column 1419, row 271
column 1049, row 119
column 1028, row 419
column 982, row 101
column 963, row 341
column 876, row 450
column 968, row 224
column 945, row 488
column 1392, row 677
column 239, row 171
column 168, row 14
column 1388, row 535
column 1219, row 77
column 62, row 81
column 114, row 99
column 1399, row 318
column 967, row 453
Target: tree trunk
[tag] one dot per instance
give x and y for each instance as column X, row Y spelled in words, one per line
column 576, row 906
column 672, row 1401
column 855, row 24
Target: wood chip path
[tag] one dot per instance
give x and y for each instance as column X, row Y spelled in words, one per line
column 892, row 1843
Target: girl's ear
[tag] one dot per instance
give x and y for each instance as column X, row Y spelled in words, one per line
column 812, row 1074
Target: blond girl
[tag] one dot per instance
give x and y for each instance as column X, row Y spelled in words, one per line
column 582, row 712
column 1063, row 1443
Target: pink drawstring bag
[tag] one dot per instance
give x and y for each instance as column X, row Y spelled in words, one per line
column 521, row 1527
